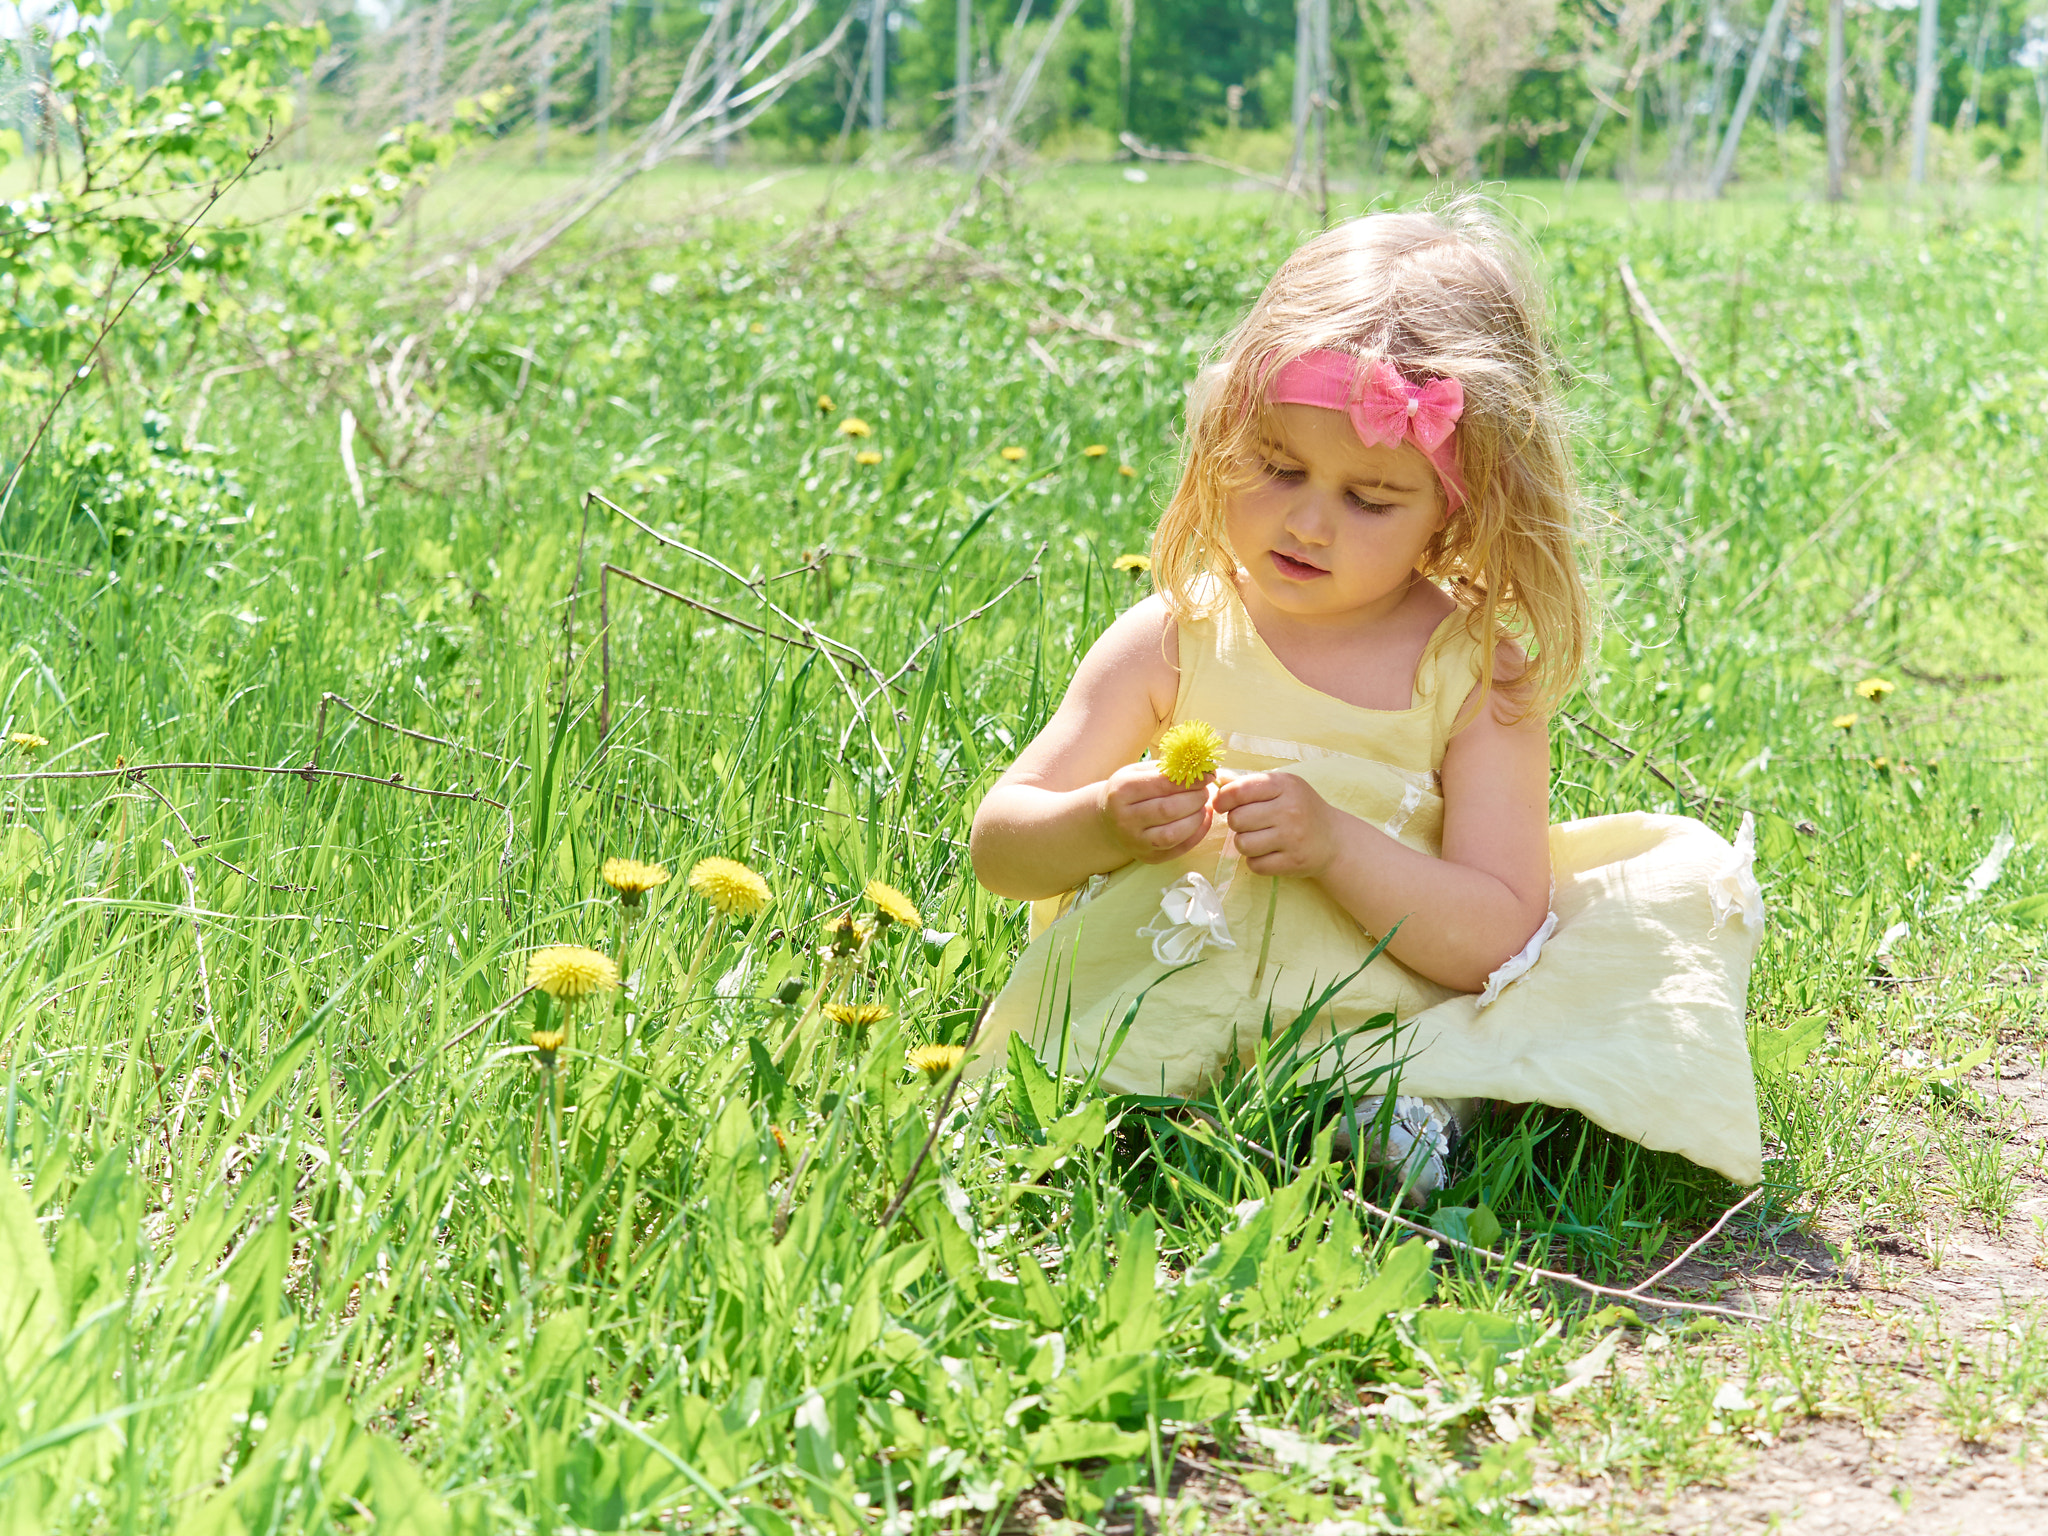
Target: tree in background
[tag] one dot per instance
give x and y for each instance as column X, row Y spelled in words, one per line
column 1667, row 89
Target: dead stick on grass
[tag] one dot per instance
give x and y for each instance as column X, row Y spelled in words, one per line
column 308, row 773
column 815, row 639
column 320, row 733
column 200, row 839
column 895, row 1206
column 969, row 617
column 174, row 251
column 206, row 1013
column 1642, row 306
column 435, row 1055
column 1531, row 1271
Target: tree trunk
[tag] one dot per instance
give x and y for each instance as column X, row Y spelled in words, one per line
column 604, row 77
column 1966, row 117
column 543, row 72
column 963, row 80
column 1759, row 66
column 878, row 55
column 1304, row 68
column 1838, row 101
column 1127, row 33
column 1925, row 78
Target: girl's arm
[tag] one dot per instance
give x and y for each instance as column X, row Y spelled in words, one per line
column 1074, row 803
column 1461, row 915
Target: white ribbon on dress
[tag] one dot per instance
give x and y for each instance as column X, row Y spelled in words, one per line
column 1733, row 887
column 1515, row 967
column 1190, row 918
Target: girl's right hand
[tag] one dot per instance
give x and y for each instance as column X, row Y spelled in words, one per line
column 1152, row 818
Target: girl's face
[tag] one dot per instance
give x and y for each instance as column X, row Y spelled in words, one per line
column 1330, row 529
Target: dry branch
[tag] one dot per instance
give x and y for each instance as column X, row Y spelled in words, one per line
column 1632, row 1295
column 308, row 773
column 1642, row 306
column 320, row 733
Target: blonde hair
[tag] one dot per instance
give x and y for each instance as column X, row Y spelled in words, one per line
column 1440, row 294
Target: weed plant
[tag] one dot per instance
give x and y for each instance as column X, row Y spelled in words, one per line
column 301, row 1232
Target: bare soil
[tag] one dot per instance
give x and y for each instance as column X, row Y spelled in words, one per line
column 1895, row 1303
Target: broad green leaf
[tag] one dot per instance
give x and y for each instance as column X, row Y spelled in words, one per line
column 1083, row 1440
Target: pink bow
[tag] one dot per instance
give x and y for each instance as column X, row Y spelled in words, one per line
column 1386, row 409
column 1390, row 408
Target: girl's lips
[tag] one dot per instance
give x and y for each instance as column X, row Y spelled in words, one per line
column 1297, row 570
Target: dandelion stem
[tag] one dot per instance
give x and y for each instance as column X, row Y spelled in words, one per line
column 1266, row 939
column 697, row 960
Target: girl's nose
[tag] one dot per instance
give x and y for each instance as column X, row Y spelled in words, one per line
column 1309, row 517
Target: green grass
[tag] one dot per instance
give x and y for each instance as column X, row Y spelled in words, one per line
column 303, row 1231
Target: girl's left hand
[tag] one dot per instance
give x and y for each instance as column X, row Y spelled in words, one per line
column 1283, row 826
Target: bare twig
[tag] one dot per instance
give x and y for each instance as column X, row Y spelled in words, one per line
column 320, row 732
column 909, row 662
column 308, row 773
column 1144, row 151
column 430, row 1057
column 1641, row 304
column 1699, row 1242
column 174, row 251
column 1696, row 798
column 822, row 644
column 1834, row 518
column 1531, row 1271
column 199, row 841
column 895, row 1206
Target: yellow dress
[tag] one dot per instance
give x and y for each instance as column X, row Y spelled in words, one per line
column 1628, row 1007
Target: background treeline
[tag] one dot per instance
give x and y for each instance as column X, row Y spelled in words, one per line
column 1643, row 90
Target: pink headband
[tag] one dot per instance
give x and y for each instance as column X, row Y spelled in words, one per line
column 1384, row 407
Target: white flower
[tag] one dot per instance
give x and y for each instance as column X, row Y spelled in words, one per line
column 1190, row 918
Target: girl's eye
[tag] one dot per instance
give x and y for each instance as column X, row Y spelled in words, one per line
column 1278, row 472
column 1363, row 505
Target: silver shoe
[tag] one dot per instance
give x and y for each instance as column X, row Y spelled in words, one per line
column 1416, row 1145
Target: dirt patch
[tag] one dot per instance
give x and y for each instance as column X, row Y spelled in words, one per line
column 1950, row 1318
column 1836, row 1478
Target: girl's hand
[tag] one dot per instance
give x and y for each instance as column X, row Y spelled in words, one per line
column 1152, row 818
column 1283, row 826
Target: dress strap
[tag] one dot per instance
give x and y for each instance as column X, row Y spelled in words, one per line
column 1447, row 673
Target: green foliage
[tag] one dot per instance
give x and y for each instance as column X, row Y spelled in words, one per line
column 294, row 1216
column 146, row 163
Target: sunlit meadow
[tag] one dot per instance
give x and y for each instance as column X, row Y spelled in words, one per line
column 337, row 1207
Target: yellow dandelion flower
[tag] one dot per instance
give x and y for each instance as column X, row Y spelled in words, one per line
column 731, row 887
column 867, row 456
column 1095, row 451
column 568, row 972
column 825, row 405
column 545, row 1043
column 853, row 426
column 935, row 1061
column 1013, row 453
column 1844, row 722
column 1187, row 753
column 892, row 905
column 27, row 741
column 1875, row 689
column 1126, row 471
column 632, row 879
column 1881, row 764
column 1137, row 565
column 758, row 329
column 856, row 1015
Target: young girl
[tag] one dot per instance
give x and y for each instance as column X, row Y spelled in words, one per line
column 1367, row 585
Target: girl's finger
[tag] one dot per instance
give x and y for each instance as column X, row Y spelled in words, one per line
column 1247, row 789
column 1171, row 834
